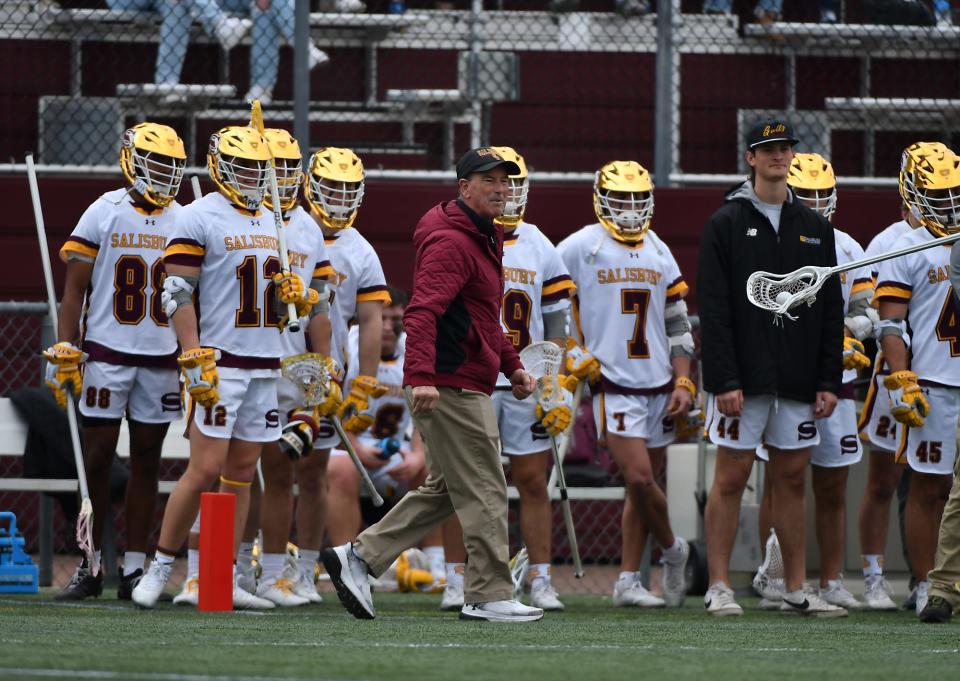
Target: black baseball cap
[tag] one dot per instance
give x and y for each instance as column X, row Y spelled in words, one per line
column 481, row 159
column 770, row 130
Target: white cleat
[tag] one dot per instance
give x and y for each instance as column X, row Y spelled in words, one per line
column 544, row 596
column 452, row 598
column 305, row 588
column 719, row 601
column 627, row 594
column 877, row 594
column 501, row 611
column 350, row 576
column 244, row 600
column 675, row 578
column 836, row 593
column 230, row 31
column 812, row 605
column 923, row 595
column 189, row 594
column 147, row 592
column 279, row 590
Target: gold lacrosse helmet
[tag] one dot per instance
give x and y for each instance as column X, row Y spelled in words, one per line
column 516, row 202
column 289, row 164
column 911, row 156
column 812, row 180
column 334, row 189
column 239, row 161
column 623, row 199
column 936, row 178
column 152, row 159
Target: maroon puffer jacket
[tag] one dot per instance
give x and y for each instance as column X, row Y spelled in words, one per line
column 454, row 337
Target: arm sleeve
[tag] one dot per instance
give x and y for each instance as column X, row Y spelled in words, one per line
column 830, row 365
column 714, row 303
column 440, row 272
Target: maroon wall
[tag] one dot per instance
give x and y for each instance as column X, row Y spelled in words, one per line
column 389, row 213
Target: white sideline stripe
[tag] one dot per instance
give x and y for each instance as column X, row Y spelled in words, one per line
column 146, row 676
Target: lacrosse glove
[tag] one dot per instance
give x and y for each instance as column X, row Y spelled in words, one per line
column 354, row 412
column 853, row 354
column 556, row 419
column 290, row 289
column 63, row 371
column 907, row 402
column 297, row 437
column 200, row 377
column 580, row 363
column 334, row 396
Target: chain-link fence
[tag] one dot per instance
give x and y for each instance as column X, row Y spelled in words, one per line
column 409, row 83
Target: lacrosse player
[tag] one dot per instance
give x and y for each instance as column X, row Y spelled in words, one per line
column 877, row 424
column 636, row 353
column 230, row 336
column 812, row 180
column 924, row 398
column 114, row 278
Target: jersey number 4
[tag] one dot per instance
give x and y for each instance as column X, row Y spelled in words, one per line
column 248, row 314
column 948, row 325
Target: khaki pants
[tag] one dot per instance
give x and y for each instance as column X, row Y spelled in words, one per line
column 946, row 572
column 462, row 444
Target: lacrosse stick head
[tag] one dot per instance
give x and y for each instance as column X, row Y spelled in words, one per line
column 310, row 374
column 780, row 293
column 542, row 361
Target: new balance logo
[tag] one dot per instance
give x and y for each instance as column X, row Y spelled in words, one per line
column 752, row 231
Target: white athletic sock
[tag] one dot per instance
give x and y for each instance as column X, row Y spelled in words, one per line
column 193, row 563
column 455, row 574
column 629, row 576
column 163, row 558
column 195, row 528
column 674, row 554
column 435, row 556
column 133, row 561
column 272, row 564
column 872, row 564
column 539, row 573
column 794, row 596
column 307, row 561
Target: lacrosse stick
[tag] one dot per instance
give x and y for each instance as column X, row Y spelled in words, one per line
column 256, row 121
column 308, row 372
column 85, row 518
column 195, row 184
column 779, row 293
column 542, row 361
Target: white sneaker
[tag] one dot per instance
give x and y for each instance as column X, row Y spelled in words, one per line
column 230, row 31
column 147, row 592
column 675, row 578
column 244, row 600
column 317, row 56
column 279, row 590
column 768, row 588
column 519, row 565
column 877, row 593
column 452, row 598
column 304, row 586
column 923, row 594
column 836, row 594
column 350, row 6
column 265, row 95
column 247, row 579
column 812, row 605
column 632, row 594
column 189, row 594
column 544, row 596
column 719, row 601
column 501, row 611
column 349, row 575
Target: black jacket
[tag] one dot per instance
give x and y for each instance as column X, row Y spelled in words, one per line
column 741, row 346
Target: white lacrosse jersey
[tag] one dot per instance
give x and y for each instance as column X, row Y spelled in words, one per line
column 535, row 281
column 622, row 291
column 883, row 243
column 851, row 281
column 124, row 322
column 922, row 280
column 357, row 278
column 308, row 260
column 236, row 251
column 391, row 415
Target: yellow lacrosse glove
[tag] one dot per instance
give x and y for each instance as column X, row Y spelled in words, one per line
column 334, row 397
column 580, row 363
column 290, row 289
column 354, row 412
column 557, row 419
column 853, row 354
column 63, row 371
column 907, row 402
column 201, row 380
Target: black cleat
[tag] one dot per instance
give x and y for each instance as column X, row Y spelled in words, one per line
column 937, row 611
column 82, row 585
column 128, row 583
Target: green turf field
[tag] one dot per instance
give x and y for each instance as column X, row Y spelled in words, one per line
column 411, row 639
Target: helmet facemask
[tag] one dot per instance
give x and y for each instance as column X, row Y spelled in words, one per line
column 156, row 176
column 337, row 202
column 823, row 201
column 247, row 177
column 289, row 179
column 940, row 210
column 629, row 213
column 516, row 202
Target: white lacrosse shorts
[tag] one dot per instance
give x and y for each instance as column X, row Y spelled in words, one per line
column 778, row 422
column 877, row 425
column 637, row 416
column 247, row 409
column 520, row 431
column 143, row 394
column 932, row 448
column 839, row 445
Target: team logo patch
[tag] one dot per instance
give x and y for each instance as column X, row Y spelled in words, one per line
column 813, row 241
column 752, row 231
